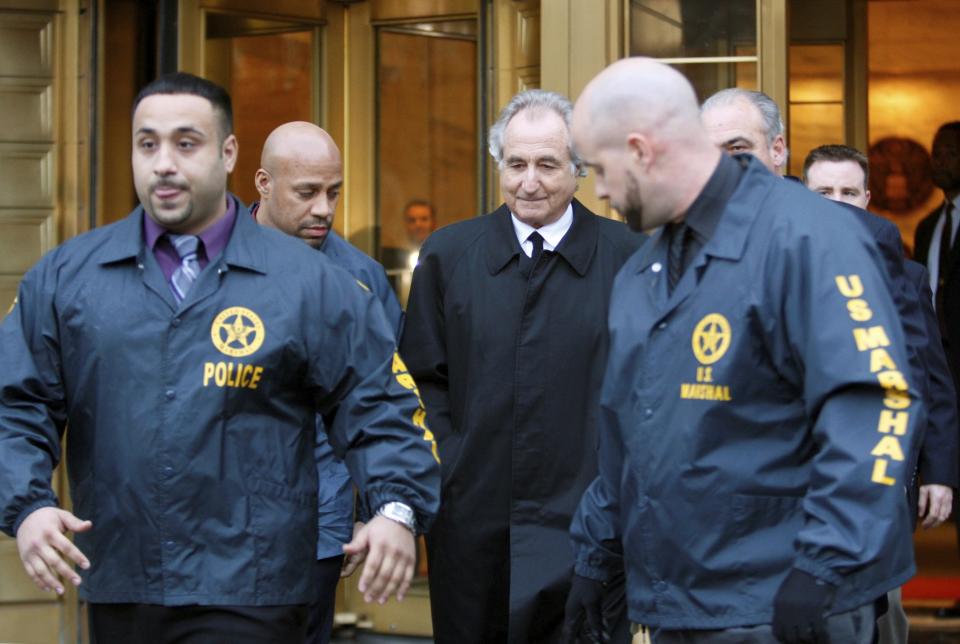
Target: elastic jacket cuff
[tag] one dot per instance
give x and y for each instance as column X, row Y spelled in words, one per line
column 818, row 570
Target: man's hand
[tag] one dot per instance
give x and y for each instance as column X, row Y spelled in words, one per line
column 350, row 562
column 42, row 546
column 935, row 504
column 799, row 609
column 391, row 558
column 584, row 610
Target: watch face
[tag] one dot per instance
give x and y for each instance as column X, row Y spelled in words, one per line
column 400, row 513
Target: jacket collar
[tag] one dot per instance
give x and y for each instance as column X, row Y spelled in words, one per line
column 241, row 251
column 730, row 238
column 332, row 245
column 577, row 247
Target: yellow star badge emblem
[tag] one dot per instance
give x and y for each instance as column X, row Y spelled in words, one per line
column 232, row 329
column 711, row 338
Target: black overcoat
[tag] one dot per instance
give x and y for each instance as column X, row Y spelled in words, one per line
column 509, row 362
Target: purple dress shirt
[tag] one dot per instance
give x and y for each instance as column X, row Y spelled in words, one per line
column 213, row 239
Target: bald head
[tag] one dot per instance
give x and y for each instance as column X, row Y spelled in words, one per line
column 298, row 139
column 299, row 181
column 637, row 94
column 637, row 125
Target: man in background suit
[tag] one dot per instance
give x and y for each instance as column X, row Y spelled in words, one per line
column 419, row 220
column 840, row 173
column 936, row 248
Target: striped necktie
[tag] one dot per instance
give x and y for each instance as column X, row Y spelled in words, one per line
column 186, row 274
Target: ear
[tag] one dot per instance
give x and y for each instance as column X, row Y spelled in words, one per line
column 778, row 153
column 229, row 152
column 639, row 150
column 264, row 182
column 867, row 195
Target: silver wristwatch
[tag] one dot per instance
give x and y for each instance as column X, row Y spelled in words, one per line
column 401, row 513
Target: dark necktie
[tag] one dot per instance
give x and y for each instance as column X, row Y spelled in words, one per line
column 676, row 253
column 943, row 266
column 186, row 274
column 537, row 240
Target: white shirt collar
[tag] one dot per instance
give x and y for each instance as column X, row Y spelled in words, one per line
column 955, row 219
column 552, row 233
column 933, row 251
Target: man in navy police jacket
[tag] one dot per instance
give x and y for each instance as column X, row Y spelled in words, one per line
column 188, row 350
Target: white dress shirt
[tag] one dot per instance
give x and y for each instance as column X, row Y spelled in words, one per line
column 933, row 253
column 552, row 233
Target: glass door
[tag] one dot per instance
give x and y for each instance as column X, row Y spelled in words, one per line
column 271, row 67
column 427, row 136
column 713, row 44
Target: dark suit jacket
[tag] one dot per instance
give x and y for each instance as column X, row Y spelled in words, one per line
column 938, row 459
column 950, row 302
column 951, row 286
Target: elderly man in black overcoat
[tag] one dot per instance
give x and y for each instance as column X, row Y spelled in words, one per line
column 506, row 337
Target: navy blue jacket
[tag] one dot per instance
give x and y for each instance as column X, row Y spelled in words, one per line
column 910, row 287
column 369, row 272
column 191, row 426
column 758, row 419
column 335, row 505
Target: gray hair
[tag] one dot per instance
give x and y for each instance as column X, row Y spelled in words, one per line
column 772, row 122
column 535, row 99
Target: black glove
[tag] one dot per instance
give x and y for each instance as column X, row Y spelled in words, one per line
column 799, row 609
column 584, row 611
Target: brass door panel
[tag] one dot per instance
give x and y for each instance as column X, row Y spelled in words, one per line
column 24, row 238
column 27, row 230
column 8, row 291
column 44, row 121
column 30, row 623
column 518, row 51
column 26, row 45
column 26, row 172
column 27, row 139
column 381, row 10
column 310, row 10
column 15, row 585
column 26, row 106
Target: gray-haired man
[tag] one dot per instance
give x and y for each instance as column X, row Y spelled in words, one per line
column 506, row 337
column 745, row 121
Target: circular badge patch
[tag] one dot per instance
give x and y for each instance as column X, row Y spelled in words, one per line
column 711, row 338
column 237, row 331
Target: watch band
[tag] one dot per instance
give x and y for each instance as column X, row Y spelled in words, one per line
column 401, row 513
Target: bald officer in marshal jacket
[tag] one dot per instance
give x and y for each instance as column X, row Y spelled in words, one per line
column 506, row 337
column 758, row 408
